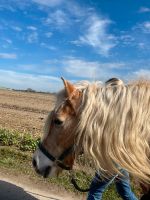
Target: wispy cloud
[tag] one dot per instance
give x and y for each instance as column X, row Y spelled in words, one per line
column 137, row 37
column 50, row 3
column 80, row 68
column 7, row 7
column 48, row 34
column 8, row 56
column 32, row 28
column 23, row 81
column 16, row 28
column 94, row 70
column 142, row 28
column 144, row 10
column 50, row 47
column 90, row 70
column 127, row 39
column 146, row 26
column 142, row 73
column 32, row 37
column 97, row 36
column 75, row 9
column 58, row 18
column 45, row 68
column 52, row 61
column 9, row 41
column 95, row 28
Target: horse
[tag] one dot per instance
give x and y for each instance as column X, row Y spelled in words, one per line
column 110, row 123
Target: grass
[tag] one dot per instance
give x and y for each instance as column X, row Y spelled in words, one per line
column 16, row 154
column 24, row 141
column 20, row 161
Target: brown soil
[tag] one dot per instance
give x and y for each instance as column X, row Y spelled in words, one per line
column 24, row 111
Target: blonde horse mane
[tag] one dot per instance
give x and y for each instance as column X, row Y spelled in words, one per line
column 113, row 126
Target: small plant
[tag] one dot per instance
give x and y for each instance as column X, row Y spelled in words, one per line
column 26, row 142
column 9, row 138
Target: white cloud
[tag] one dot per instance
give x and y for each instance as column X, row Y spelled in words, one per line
column 142, row 27
column 27, row 67
column 90, row 70
column 146, row 26
column 142, row 45
column 48, row 34
column 75, row 9
column 95, row 28
column 32, row 37
column 50, row 3
column 144, row 10
column 80, row 68
column 8, row 56
column 50, row 47
column 52, row 61
column 97, row 36
column 9, row 41
column 57, row 18
column 127, row 39
column 142, row 73
column 16, row 28
column 7, row 7
column 32, row 28
column 12, row 79
column 137, row 37
column 46, row 68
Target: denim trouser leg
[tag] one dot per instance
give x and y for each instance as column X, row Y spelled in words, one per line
column 123, row 187
column 97, row 187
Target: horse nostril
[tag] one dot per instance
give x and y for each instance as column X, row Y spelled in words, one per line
column 34, row 163
column 46, row 172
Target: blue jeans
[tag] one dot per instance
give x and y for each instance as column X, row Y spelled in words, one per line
column 122, row 183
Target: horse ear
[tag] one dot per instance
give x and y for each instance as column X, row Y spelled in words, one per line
column 69, row 87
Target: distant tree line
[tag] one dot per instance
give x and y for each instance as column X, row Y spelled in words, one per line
column 34, row 91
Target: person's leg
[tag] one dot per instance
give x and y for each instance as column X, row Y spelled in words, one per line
column 97, row 187
column 123, row 187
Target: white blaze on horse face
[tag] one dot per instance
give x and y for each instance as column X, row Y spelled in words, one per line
column 42, row 162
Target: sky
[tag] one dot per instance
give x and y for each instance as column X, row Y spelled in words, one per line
column 43, row 40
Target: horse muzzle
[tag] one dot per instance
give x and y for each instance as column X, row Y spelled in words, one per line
column 45, row 171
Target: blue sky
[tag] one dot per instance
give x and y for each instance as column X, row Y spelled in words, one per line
column 42, row 40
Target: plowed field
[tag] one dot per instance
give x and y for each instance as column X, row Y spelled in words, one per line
column 24, row 111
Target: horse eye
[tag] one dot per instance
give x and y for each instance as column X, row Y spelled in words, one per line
column 57, row 122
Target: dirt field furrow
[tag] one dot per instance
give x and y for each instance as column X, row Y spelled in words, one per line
column 24, row 111
column 15, row 107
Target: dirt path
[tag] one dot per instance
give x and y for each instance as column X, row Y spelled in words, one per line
column 22, row 188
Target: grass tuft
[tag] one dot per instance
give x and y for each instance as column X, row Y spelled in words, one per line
column 25, row 141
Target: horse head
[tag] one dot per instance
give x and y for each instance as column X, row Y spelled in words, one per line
column 56, row 151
